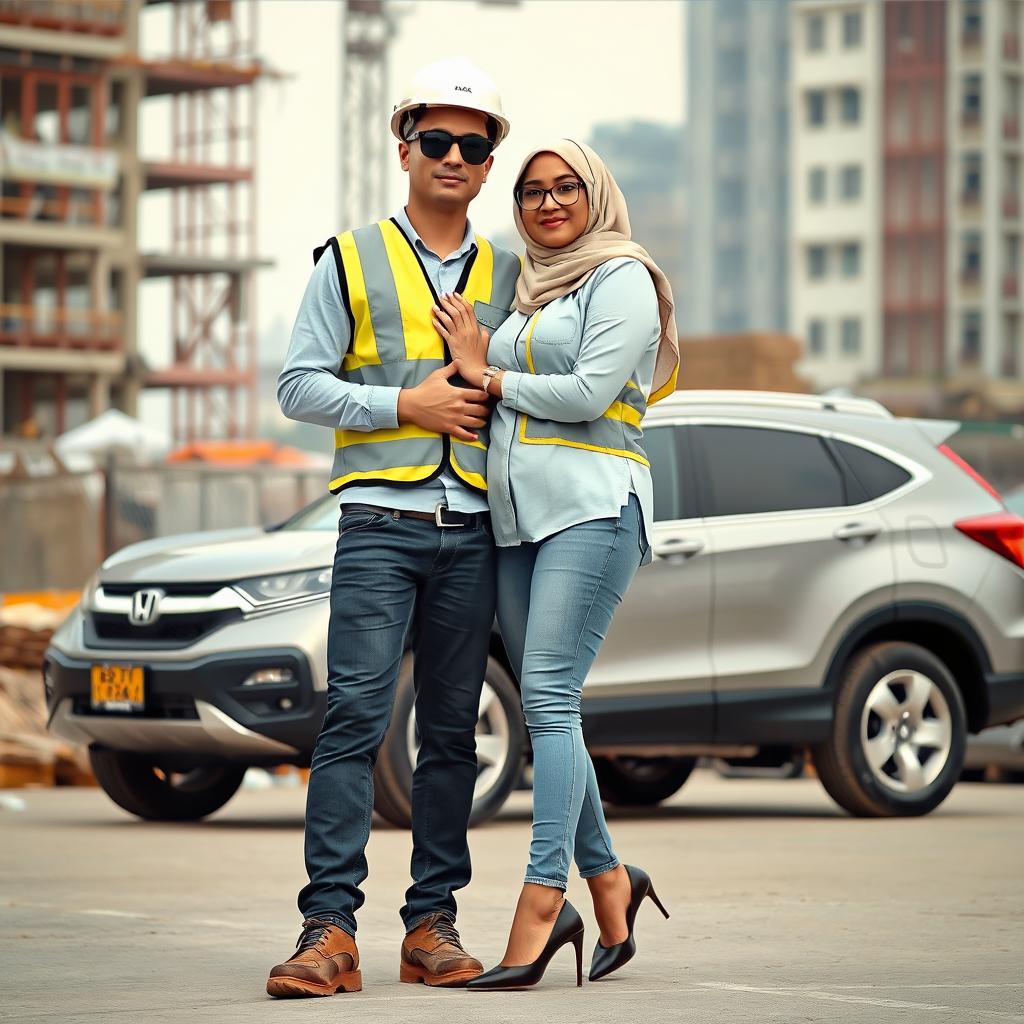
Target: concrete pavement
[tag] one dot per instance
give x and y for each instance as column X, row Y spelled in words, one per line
column 782, row 910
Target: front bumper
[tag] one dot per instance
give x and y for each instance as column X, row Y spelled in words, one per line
column 194, row 707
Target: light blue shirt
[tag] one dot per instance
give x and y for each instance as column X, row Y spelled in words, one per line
column 309, row 389
column 537, row 490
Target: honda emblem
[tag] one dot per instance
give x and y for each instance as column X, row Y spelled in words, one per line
column 145, row 607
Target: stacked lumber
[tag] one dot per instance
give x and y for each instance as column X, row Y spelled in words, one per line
column 29, row 756
column 26, row 627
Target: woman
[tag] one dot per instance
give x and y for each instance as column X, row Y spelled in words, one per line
column 592, row 336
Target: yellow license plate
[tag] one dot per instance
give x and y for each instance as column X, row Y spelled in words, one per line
column 118, row 688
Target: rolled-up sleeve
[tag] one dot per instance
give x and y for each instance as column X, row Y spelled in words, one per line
column 308, row 387
column 620, row 316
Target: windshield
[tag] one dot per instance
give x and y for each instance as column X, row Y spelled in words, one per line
column 321, row 515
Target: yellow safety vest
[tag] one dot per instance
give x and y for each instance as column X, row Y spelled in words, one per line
column 388, row 298
column 616, row 432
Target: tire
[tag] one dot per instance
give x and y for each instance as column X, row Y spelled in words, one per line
column 501, row 741
column 137, row 784
column 641, row 781
column 900, row 699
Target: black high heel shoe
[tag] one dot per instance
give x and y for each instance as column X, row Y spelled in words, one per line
column 568, row 928
column 611, row 958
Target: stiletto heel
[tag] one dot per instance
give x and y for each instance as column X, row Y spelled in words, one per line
column 611, row 958
column 655, row 900
column 577, row 941
column 568, row 928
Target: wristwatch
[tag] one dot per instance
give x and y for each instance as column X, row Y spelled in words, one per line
column 488, row 375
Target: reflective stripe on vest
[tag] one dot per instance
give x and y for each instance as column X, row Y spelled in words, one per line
column 394, row 344
column 616, row 432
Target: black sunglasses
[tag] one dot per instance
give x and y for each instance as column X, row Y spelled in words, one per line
column 436, row 142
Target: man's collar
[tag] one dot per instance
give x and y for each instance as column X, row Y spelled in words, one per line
column 406, row 225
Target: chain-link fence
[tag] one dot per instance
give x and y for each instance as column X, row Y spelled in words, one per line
column 57, row 529
column 51, row 531
column 157, row 501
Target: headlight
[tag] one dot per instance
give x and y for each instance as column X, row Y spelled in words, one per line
column 288, row 587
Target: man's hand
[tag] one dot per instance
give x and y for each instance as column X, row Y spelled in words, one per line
column 436, row 405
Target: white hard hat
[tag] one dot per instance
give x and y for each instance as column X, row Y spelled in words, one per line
column 457, row 82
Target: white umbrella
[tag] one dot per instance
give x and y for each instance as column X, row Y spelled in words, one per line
column 109, row 431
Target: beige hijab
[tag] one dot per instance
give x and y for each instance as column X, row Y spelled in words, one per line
column 550, row 273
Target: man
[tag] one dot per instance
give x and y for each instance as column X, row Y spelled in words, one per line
column 415, row 554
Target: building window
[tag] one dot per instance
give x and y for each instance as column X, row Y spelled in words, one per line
column 817, row 262
column 850, row 336
column 971, row 167
column 815, row 33
column 815, row 108
column 816, row 184
column 852, row 30
column 850, row 181
column 970, row 339
column 80, row 116
column 849, row 105
column 970, row 269
column 46, row 127
column 850, row 259
column 816, row 337
column 971, row 93
column 972, row 21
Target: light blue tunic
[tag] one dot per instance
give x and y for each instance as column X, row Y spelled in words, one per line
column 611, row 322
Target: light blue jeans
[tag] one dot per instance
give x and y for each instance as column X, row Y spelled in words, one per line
column 556, row 599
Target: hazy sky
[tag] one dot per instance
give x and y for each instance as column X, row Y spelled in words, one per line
column 562, row 66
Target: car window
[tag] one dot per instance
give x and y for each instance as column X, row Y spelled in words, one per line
column 875, row 474
column 322, row 514
column 660, row 445
column 757, row 469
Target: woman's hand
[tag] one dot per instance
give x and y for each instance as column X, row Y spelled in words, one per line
column 456, row 322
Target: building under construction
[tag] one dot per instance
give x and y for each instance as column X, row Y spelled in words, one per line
column 74, row 87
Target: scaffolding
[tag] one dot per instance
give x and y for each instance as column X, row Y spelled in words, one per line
column 210, row 76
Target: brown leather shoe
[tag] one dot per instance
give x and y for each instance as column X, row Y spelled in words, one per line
column 432, row 953
column 325, row 961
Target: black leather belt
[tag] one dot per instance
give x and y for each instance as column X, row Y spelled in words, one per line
column 442, row 516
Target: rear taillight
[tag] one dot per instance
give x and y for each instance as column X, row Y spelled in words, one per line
column 1002, row 532
column 970, row 471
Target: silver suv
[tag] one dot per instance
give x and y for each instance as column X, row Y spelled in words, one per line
column 827, row 578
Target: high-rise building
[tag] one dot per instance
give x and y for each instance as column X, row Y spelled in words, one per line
column 73, row 85
column 647, row 161
column 736, row 250
column 836, row 188
column 906, row 178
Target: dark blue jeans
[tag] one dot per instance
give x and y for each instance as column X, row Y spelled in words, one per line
column 390, row 576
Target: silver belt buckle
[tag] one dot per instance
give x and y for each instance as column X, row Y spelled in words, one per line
column 439, row 512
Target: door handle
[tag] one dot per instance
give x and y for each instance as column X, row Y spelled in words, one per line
column 678, row 546
column 857, row 531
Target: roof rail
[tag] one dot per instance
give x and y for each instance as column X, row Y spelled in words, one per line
column 784, row 400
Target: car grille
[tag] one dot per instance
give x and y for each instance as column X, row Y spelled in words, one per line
column 177, row 589
column 179, row 706
column 169, row 631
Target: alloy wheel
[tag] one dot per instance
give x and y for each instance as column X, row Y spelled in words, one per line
column 906, row 731
column 492, row 741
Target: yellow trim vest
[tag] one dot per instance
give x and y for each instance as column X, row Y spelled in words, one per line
column 388, row 297
column 616, row 432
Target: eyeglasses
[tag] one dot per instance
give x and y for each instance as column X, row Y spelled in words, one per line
column 565, row 194
column 436, row 142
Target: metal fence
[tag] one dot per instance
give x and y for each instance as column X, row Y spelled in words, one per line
column 57, row 529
